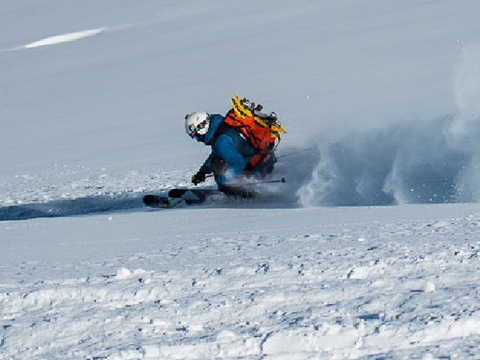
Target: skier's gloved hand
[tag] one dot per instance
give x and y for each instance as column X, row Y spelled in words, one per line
column 199, row 177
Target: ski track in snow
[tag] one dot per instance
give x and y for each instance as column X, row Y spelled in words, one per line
column 78, row 190
column 402, row 294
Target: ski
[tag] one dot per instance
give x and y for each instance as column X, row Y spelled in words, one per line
column 156, row 201
column 193, row 194
column 196, row 196
column 179, row 196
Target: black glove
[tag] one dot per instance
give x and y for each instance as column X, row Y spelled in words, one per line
column 199, row 177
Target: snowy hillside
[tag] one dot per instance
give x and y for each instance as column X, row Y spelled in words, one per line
column 97, row 93
column 381, row 102
column 397, row 283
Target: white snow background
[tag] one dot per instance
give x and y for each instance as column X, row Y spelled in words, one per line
column 371, row 249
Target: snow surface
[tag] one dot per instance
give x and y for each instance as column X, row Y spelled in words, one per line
column 369, row 251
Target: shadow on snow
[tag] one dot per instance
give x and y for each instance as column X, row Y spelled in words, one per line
column 62, row 208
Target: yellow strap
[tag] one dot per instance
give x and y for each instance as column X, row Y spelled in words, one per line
column 275, row 127
column 242, row 112
column 238, row 108
column 278, row 128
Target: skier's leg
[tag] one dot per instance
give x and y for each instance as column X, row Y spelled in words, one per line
column 265, row 166
column 237, row 191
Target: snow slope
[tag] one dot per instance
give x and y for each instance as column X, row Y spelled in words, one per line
column 381, row 103
column 106, row 93
column 380, row 282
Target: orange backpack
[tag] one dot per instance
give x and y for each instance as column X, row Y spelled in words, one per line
column 262, row 130
column 260, row 137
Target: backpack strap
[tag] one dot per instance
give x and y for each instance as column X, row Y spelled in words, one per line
column 242, row 126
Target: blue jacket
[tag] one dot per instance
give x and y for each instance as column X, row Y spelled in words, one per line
column 229, row 145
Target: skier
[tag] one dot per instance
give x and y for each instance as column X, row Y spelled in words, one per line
column 233, row 153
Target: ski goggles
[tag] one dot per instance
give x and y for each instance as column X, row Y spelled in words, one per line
column 193, row 130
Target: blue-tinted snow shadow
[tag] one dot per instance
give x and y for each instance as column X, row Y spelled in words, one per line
column 402, row 164
column 63, row 208
column 431, row 160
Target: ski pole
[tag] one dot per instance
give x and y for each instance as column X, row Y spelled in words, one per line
column 282, row 180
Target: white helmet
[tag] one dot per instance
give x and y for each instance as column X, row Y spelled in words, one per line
column 196, row 124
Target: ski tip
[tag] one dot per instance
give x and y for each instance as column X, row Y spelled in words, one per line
column 155, row 201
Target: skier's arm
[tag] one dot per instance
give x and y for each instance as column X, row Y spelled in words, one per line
column 206, row 168
column 225, row 149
